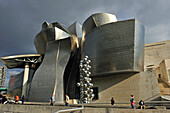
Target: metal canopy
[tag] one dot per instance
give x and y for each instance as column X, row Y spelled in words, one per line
column 18, row 61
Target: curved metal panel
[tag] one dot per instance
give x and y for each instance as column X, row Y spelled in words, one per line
column 111, row 47
column 75, row 29
column 49, row 76
column 49, row 32
column 139, row 46
column 97, row 20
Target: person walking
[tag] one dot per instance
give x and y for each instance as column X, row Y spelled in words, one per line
column 22, row 99
column 132, row 101
column 112, row 101
column 67, row 100
column 52, row 101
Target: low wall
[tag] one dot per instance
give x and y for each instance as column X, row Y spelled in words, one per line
column 12, row 108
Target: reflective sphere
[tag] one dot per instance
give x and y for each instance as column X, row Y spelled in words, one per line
column 89, row 79
column 87, row 68
column 85, row 72
column 86, row 56
column 85, row 78
column 87, row 75
column 92, row 95
column 81, row 61
column 81, row 76
column 85, row 92
column 88, row 89
column 78, row 84
column 91, row 90
column 81, row 92
column 85, row 85
column 85, row 59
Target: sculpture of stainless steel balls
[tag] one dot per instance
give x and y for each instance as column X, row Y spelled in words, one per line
column 86, row 93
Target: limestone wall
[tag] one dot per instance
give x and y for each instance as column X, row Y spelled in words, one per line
column 155, row 53
column 142, row 85
column 51, row 109
column 164, row 69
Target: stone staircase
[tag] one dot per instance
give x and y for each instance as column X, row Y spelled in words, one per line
column 164, row 89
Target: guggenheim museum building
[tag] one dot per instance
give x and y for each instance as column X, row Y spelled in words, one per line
column 116, row 50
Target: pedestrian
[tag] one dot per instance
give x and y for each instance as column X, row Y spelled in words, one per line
column 4, row 100
column 22, row 99
column 67, row 100
column 142, row 104
column 52, row 101
column 132, row 101
column 0, row 99
column 112, row 101
column 16, row 99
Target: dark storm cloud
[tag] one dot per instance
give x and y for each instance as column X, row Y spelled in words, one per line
column 20, row 20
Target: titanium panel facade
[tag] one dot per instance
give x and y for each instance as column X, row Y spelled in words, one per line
column 49, row 76
column 2, row 76
column 115, row 47
column 54, row 75
column 97, row 20
column 49, row 32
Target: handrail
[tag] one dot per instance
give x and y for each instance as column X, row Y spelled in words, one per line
column 69, row 110
column 129, row 102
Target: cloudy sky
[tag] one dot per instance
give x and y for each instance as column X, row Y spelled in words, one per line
column 21, row 20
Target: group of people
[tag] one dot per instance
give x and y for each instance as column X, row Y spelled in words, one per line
column 141, row 103
column 5, row 100
column 132, row 101
column 52, row 100
column 17, row 99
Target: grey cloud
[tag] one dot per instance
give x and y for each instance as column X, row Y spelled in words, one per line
column 21, row 20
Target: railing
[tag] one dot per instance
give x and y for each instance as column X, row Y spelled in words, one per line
column 70, row 110
column 158, row 103
column 149, row 104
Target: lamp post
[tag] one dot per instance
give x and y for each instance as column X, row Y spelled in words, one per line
column 86, row 93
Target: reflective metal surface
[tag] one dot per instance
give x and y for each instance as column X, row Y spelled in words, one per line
column 18, row 61
column 49, row 78
column 50, row 32
column 139, row 46
column 94, row 21
column 112, row 46
column 115, row 47
column 97, row 20
column 75, row 29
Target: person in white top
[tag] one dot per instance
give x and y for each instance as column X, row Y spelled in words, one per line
column 67, row 100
